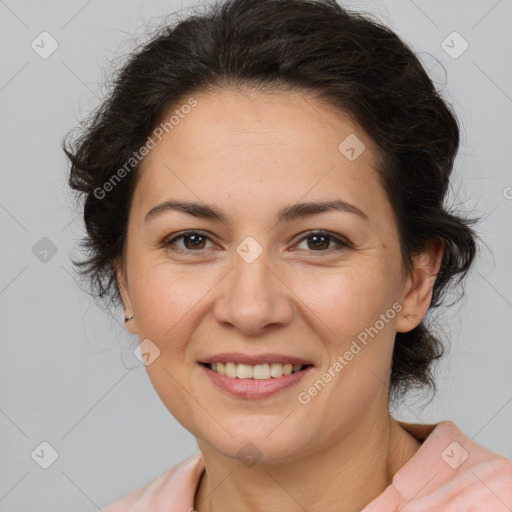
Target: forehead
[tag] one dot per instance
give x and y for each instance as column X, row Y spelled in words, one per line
column 248, row 148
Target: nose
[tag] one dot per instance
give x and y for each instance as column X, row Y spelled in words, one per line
column 253, row 297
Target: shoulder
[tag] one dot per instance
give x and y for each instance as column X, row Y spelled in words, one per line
column 451, row 472
column 480, row 488
column 177, row 483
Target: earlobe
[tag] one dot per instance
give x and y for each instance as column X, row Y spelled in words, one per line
column 419, row 286
column 129, row 318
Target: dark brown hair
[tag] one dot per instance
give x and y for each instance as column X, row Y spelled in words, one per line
column 347, row 59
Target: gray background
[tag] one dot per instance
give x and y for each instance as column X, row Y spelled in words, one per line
column 68, row 373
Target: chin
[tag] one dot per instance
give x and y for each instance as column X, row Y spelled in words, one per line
column 251, row 448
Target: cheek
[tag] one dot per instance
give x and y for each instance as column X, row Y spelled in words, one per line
column 346, row 299
column 166, row 298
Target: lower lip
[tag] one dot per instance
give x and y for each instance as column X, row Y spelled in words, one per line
column 255, row 388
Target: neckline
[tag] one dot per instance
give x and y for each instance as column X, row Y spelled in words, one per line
column 425, row 434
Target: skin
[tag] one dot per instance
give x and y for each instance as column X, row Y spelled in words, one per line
column 248, row 153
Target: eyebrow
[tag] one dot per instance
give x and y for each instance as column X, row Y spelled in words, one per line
column 285, row 214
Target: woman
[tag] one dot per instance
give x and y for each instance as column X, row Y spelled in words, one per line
column 264, row 194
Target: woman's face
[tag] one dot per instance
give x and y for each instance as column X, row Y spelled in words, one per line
column 258, row 282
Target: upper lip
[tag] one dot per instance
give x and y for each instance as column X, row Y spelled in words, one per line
column 239, row 358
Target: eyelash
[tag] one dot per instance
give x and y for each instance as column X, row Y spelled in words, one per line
column 342, row 244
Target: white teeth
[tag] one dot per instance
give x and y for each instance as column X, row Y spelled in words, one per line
column 257, row 371
column 261, row 371
column 243, row 371
column 231, row 370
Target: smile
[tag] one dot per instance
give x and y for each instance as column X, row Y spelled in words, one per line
column 254, row 381
column 257, row 371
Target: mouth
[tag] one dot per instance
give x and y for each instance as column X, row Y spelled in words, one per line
column 264, row 371
column 254, row 381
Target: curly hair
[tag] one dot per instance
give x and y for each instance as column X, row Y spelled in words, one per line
column 347, row 59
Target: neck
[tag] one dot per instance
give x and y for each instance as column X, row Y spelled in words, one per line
column 351, row 471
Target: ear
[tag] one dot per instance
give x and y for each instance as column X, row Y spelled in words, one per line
column 419, row 286
column 122, row 283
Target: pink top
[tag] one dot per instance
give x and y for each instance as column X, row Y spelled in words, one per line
column 449, row 473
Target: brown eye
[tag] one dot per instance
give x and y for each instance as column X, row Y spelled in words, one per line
column 319, row 241
column 192, row 241
column 196, row 241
